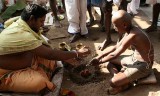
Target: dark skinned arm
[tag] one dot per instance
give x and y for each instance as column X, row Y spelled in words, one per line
column 120, row 49
column 53, row 54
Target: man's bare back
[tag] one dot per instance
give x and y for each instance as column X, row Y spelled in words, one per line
column 143, row 46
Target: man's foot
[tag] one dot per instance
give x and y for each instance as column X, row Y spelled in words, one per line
column 45, row 29
column 102, row 29
column 57, row 24
column 104, row 65
column 75, row 37
column 151, row 29
column 85, row 36
column 114, row 91
column 60, row 10
column 90, row 23
column 104, row 44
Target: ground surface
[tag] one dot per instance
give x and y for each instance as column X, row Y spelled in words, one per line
column 96, row 37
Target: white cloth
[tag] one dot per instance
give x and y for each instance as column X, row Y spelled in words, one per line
column 117, row 2
column 152, row 1
column 133, row 6
column 76, row 14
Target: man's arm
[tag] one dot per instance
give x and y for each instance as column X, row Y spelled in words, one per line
column 53, row 54
column 120, row 49
column 98, row 59
column 106, row 52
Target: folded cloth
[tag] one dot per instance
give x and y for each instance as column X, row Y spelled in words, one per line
column 29, row 80
column 19, row 37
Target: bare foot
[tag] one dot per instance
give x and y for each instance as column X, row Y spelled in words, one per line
column 114, row 91
column 104, row 44
column 104, row 65
column 57, row 24
column 75, row 37
column 90, row 22
column 45, row 29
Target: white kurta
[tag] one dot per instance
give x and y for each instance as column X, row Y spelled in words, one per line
column 76, row 14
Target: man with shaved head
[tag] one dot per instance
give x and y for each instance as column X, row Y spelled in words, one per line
column 126, row 69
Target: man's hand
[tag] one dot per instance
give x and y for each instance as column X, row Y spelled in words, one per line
column 83, row 52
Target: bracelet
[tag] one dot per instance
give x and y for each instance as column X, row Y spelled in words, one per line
column 76, row 53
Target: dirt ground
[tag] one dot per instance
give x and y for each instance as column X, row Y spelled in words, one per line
column 96, row 37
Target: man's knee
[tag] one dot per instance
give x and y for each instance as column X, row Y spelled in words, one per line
column 113, row 83
column 39, row 84
column 119, row 80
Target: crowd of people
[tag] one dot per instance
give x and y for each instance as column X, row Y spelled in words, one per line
column 27, row 61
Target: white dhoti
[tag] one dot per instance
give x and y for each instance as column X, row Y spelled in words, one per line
column 76, row 14
column 152, row 1
column 133, row 6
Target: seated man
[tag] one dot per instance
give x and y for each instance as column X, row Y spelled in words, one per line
column 127, row 69
column 106, row 14
column 26, row 60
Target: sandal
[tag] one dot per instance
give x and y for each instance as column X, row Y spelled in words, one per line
column 61, row 17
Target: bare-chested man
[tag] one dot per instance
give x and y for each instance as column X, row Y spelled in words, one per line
column 127, row 69
column 26, row 60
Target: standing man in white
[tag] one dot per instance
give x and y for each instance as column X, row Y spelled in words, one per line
column 76, row 14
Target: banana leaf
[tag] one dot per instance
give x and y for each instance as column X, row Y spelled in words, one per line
column 20, row 5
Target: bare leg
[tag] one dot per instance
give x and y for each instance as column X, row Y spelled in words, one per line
column 112, row 69
column 123, row 5
column 102, row 21
column 119, row 82
column 89, row 8
column 63, row 3
column 54, row 10
column 107, row 9
column 156, row 11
